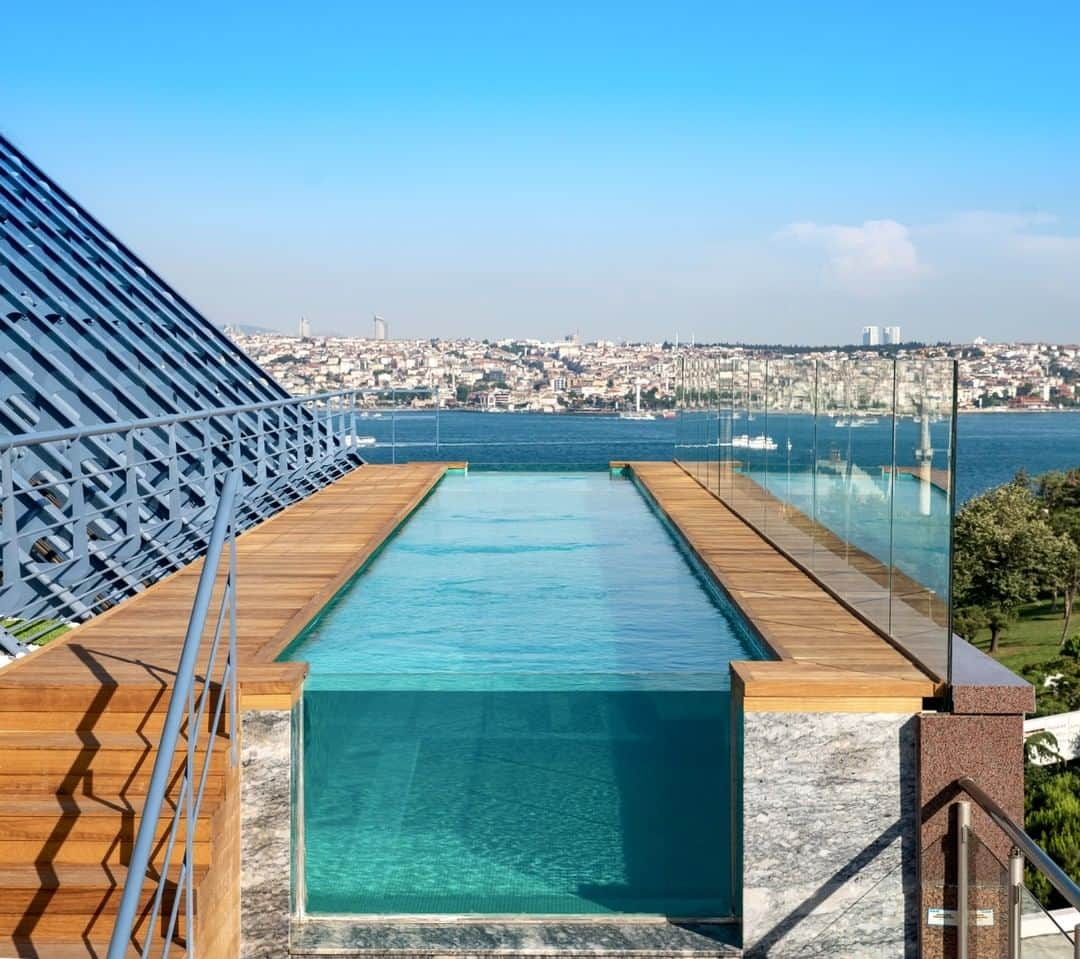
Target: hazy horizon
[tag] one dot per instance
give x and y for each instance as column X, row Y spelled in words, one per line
column 626, row 172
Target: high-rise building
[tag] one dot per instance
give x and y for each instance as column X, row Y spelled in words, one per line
column 871, row 336
column 892, row 336
column 380, row 328
column 305, row 328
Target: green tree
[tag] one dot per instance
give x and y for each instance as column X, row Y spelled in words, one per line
column 1006, row 554
column 1060, row 494
column 1052, row 818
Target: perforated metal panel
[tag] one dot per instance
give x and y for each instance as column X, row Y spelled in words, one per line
column 90, row 335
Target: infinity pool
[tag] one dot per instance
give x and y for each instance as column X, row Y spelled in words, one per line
column 521, row 706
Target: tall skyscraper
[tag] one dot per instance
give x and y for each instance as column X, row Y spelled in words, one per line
column 305, row 328
column 380, row 328
column 871, row 336
column 892, row 336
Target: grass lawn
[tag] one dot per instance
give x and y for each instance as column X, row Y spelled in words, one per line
column 24, row 629
column 1033, row 638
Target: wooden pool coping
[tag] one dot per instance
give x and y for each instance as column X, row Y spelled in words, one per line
column 292, row 564
column 828, row 659
column 288, row 568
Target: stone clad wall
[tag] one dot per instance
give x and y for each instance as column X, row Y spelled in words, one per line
column 266, row 793
column 830, row 826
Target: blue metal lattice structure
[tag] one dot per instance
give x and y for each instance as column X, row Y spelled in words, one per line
column 121, row 410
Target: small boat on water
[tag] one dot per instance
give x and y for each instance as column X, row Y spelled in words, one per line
column 360, row 440
column 759, row 442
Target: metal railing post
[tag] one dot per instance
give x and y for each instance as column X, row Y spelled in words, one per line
column 8, row 525
column 260, row 447
column 233, row 691
column 170, row 735
column 173, row 456
column 131, row 492
column 1016, row 900
column 352, row 421
column 963, row 831
column 1076, row 941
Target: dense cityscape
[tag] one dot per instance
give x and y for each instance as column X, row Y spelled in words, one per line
column 573, row 376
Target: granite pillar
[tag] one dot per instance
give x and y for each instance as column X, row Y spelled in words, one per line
column 830, row 826
column 989, row 749
column 982, row 737
column 266, row 796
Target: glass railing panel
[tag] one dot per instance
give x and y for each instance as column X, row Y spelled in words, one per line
column 750, row 439
column 853, row 490
column 846, row 464
column 692, row 443
column 922, row 509
column 1043, row 934
column 788, row 478
column 725, row 426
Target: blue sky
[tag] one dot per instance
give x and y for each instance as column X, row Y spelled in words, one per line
column 759, row 171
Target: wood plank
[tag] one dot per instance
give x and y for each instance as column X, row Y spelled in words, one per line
column 80, row 718
column 829, row 658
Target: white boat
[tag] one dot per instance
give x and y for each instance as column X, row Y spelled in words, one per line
column 759, row 442
column 360, row 441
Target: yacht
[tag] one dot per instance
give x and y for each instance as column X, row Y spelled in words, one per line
column 759, row 442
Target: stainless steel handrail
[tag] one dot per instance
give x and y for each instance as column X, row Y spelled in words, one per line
column 184, row 706
column 122, row 426
column 1033, row 852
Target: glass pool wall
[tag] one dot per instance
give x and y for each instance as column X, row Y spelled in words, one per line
column 847, row 465
column 522, row 706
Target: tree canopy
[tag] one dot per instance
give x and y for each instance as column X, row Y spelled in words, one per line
column 1006, row 552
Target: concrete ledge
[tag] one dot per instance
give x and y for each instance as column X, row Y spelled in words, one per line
column 554, row 936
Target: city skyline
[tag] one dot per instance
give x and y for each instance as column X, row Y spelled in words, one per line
column 625, row 172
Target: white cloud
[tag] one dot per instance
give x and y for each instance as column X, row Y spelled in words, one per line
column 876, row 257
column 985, row 223
column 1050, row 245
column 1023, row 237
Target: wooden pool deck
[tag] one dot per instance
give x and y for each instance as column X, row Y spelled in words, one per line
column 80, row 719
column 828, row 658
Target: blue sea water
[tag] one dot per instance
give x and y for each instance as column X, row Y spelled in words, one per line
column 522, row 706
column 564, row 748
column 991, row 447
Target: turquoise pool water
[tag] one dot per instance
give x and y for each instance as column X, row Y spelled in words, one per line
column 521, row 706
